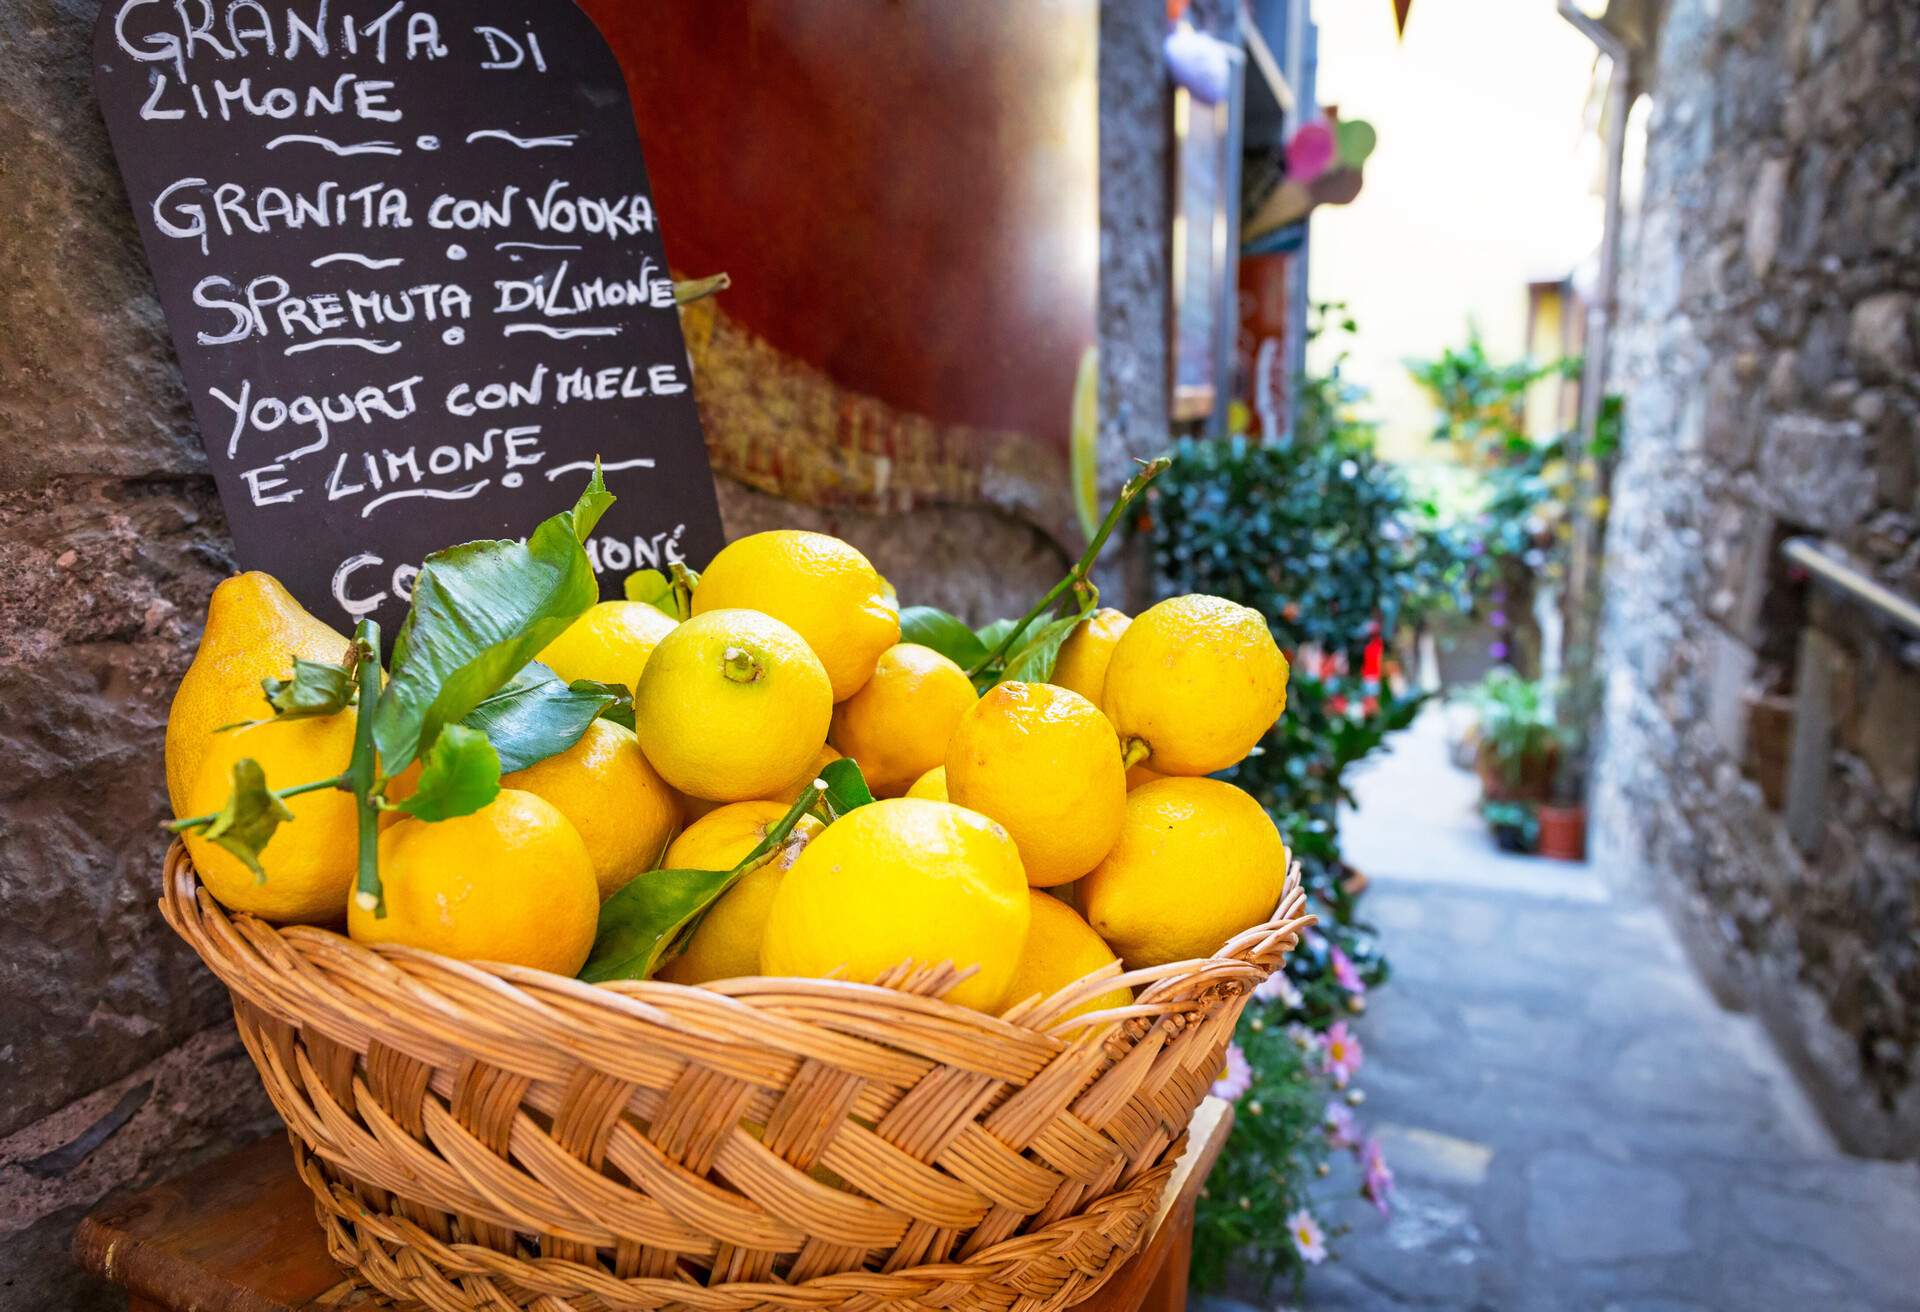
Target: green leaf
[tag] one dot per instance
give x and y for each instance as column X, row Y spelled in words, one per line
column 640, row 924
column 652, row 588
column 846, row 787
column 537, row 715
column 462, row 774
column 619, row 697
column 641, row 921
column 246, row 824
column 991, row 635
column 480, row 612
column 316, row 688
column 932, row 627
column 1039, row 650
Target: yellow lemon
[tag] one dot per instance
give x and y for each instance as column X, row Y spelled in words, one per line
column 511, row 883
column 311, row 859
column 732, row 704
column 1140, row 774
column 1082, row 665
column 1061, row 948
column 605, row 786
column 1194, row 683
column 827, row 591
column 1045, row 763
column 254, row 630
column 1197, row 862
column 897, row 726
column 903, row 880
column 695, row 807
column 610, row 642
column 727, row 943
column 932, row 785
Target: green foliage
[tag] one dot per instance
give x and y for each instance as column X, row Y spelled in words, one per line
column 460, row 774
column 316, row 688
column 1279, row 1142
column 480, row 612
column 652, row 915
column 1517, row 730
column 246, row 823
column 1482, row 404
column 536, row 714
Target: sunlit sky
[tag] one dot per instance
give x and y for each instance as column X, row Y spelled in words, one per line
column 1484, row 179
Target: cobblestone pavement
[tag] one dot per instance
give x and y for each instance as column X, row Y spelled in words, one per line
column 1574, row 1123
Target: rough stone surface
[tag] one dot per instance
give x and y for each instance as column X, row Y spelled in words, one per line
column 1787, row 130
column 1531, row 1174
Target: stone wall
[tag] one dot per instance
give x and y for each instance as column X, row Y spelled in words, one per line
column 121, row 1064
column 1767, row 357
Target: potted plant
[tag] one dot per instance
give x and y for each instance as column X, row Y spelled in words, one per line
column 1519, row 747
column 1563, row 818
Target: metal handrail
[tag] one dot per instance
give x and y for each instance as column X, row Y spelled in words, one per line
column 1842, row 576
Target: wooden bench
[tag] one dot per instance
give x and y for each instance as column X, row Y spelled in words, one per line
column 239, row 1235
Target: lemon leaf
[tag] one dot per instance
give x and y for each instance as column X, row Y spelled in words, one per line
column 991, row 635
column 1040, row 652
column 929, row 626
column 316, row 688
column 651, row 588
column 538, row 714
column 619, row 699
column 641, row 924
column 480, row 612
column 461, row 775
column 246, row 823
column 846, row 787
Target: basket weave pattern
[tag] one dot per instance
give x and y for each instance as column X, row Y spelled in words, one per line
column 490, row 1137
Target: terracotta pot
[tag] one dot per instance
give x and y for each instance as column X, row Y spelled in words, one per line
column 1563, row 832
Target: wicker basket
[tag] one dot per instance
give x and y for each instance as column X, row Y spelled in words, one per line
column 490, row 1137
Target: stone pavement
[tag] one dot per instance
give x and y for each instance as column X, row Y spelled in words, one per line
column 1573, row 1122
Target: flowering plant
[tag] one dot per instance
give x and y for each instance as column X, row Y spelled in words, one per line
column 1294, row 1099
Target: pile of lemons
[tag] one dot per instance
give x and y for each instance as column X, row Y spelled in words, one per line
column 1032, row 833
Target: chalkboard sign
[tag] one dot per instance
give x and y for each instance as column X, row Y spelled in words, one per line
column 413, row 272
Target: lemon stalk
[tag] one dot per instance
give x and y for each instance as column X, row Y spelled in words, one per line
column 199, row 821
column 1078, row 577
column 362, row 777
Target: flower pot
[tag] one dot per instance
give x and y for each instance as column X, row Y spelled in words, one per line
column 1563, row 832
column 1532, row 782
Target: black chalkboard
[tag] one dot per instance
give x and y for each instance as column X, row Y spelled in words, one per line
column 412, row 269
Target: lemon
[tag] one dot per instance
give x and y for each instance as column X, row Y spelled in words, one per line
column 727, row 943
column 1198, row 861
column 732, row 704
column 254, row 630
column 1195, row 682
column 903, row 880
column 695, row 807
column 621, row 807
column 510, row 883
column 898, row 724
column 1141, row 774
column 610, row 642
column 311, row 859
column 1045, row 763
column 932, row 785
column 1061, row 948
column 1082, row 665
column 827, row 591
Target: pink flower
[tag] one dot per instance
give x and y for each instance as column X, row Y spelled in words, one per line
column 1278, row 988
column 1342, row 1132
column 1341, row 1053
column 1345, row 973
column 1377, row 1185
column 1308, row 1239
column 1236, row 1079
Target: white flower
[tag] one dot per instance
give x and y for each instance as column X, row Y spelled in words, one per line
column 1308, row 1239
column 1278, row 988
